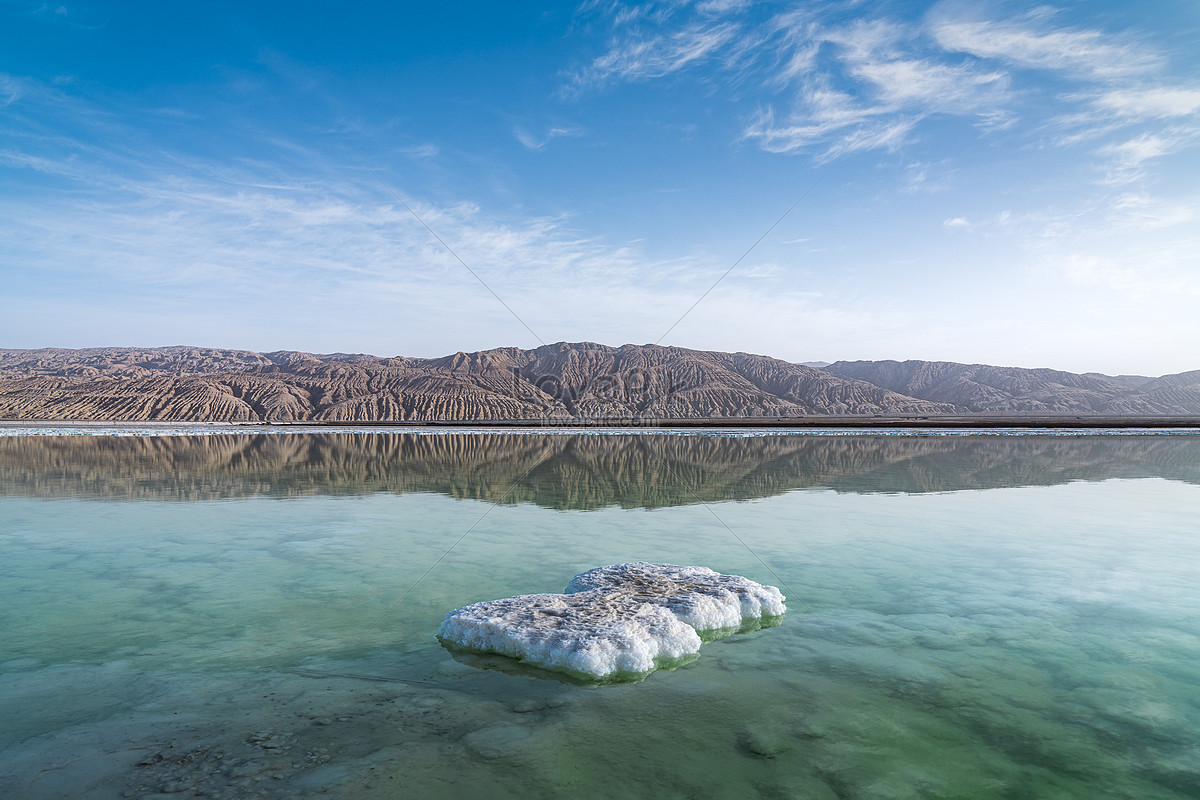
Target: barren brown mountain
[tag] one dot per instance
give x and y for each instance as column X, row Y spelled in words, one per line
column 556, row 382
column 983, row 389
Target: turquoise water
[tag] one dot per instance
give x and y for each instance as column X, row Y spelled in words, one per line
column 247, row 616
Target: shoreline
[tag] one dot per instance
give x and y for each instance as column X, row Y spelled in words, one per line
column 768, row 423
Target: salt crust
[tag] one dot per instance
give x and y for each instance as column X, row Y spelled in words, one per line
column 618, row 619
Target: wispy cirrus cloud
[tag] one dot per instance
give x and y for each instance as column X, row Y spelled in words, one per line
column 533, row 142
column 1110, row 88
column 11, row 89
column 1150, row 102
column 1126, row 161
column 317, row 256
column 892, row 94
column 644, row 57
column 269, row 250
column 426, row 150
column 1029, row 42
column 829, row 114
column 844, row 80
column 1131, row 242
column 830, row 87
column 274, row 261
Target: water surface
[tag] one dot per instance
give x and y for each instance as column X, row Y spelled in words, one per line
column 243, row 615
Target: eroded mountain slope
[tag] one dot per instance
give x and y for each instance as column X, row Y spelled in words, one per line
column 984, row 389
column 562, row 381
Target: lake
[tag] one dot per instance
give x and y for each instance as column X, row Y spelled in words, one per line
column 252, row 615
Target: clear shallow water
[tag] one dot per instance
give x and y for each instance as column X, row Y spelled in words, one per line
column 226, row 615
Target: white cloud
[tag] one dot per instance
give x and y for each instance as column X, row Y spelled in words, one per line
column 1021, row 43
column 291, row 250
column 527, row 140
column 1131, row 160
column 531, row 142
column 1127, row 158
column 48, row 166
column 859, row 86
column 1140, row 212
column 249, row 259
column 922, row 176
column 877, row 54
column 995, row 120
column 643, row 58
column 766, row 269
column 1124, row 274
column 718, row 8
column 828, row 113
column 929, row 86
column 1137, row 246
column 11, row 89
column 872, row 83
column 800, row 40
column 1150, row 102
column 885, row 136
column 1119, row 83
column 1161, row 112
column 866, row 40
column 427, row 150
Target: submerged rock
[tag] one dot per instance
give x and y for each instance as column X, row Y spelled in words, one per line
column 617, row 622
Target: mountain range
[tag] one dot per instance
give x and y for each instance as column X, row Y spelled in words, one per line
column 561, row 382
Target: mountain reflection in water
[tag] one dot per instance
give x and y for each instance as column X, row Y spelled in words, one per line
column 568, row 471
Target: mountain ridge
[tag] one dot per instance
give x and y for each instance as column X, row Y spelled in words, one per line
column 562, row 382
column 985, row 389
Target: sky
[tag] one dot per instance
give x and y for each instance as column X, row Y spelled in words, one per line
column 985, row 182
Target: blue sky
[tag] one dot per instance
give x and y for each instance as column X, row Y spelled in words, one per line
column 1009, row 183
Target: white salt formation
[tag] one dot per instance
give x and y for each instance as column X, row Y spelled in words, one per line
column 622, row 619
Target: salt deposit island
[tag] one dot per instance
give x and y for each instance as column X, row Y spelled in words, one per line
column 616, row 623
